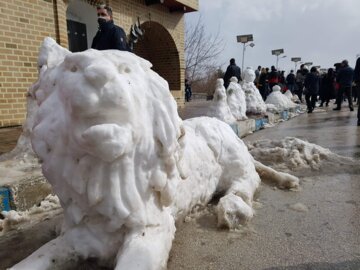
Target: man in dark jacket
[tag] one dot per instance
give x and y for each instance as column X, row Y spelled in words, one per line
column 231, row 71
column 109, row 36
column 344, row 78
column 311, row 88
column 290, row 81
column 357, row 81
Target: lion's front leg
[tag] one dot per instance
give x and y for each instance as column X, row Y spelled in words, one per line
column 282, row 180
column 147, row 248
column 53, row 255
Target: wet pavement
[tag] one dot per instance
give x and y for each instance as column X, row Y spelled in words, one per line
column 325, row 235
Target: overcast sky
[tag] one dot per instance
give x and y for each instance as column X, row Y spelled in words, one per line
column 320, row 31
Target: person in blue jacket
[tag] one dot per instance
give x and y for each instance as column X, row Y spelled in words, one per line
column 109, row 36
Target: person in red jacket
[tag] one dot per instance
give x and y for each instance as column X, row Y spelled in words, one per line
column 273, row 77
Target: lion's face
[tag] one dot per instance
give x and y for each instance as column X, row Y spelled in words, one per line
column 106, row 122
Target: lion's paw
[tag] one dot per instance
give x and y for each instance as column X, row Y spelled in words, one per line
column 233, row 211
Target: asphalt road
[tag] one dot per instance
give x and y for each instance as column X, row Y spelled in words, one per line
column 325, row 235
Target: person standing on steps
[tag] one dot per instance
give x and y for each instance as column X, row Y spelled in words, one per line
column 109, row 36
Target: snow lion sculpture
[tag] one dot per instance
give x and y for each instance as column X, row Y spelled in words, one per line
column 125, row 166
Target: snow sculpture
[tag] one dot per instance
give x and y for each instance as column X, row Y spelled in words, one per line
column 279, row 100
column 124, row 165
column 236, row 99
column 290, row 96
column 219, row 107
column 254, row 102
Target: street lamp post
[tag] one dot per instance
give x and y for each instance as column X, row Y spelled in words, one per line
column 277, row 61
column 245, row 39
column 277, row 53
column 295, row 60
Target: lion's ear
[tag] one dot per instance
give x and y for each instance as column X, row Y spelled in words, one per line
column 51, row 53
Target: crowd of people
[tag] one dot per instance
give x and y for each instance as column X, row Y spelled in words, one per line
column 341, row 83
column 337, row 83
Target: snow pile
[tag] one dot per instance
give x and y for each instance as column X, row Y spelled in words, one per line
column 279, row 100
column 293, row 153
column 13, row 218
column 254, row 102
column 219, row 107
column 290, row 96
column 236, row 99
column 124, row 165
column 300, row 207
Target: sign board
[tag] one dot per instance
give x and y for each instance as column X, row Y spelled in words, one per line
column 308, row 63
column 245, row 38
column 277, row 52
column 296, row 59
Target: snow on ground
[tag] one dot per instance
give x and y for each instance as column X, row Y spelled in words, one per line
column 294, row 154
column 12, row 220
column 254, row 102
column 279, row 101
column 290, row 96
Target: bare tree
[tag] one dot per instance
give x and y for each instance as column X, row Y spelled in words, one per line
column 201, row 52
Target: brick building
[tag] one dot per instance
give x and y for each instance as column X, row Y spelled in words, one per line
column 73, row 23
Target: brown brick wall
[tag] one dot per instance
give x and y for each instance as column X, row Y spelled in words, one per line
column 23, row 26
column 25, row 23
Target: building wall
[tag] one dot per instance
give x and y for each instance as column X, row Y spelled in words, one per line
column 25, row 23
column 126, row 13
column 191, row 3
column 23, row 26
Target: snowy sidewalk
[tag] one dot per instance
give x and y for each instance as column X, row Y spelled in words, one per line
column 316, row 228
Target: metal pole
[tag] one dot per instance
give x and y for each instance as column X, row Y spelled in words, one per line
column 277, row 61
column 242, row 65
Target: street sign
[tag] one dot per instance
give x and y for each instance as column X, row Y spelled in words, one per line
column 245, row 38
column 296, row 59
column 308, row 63
column 277, row 52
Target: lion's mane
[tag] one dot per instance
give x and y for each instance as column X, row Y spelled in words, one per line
column 113, row 142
